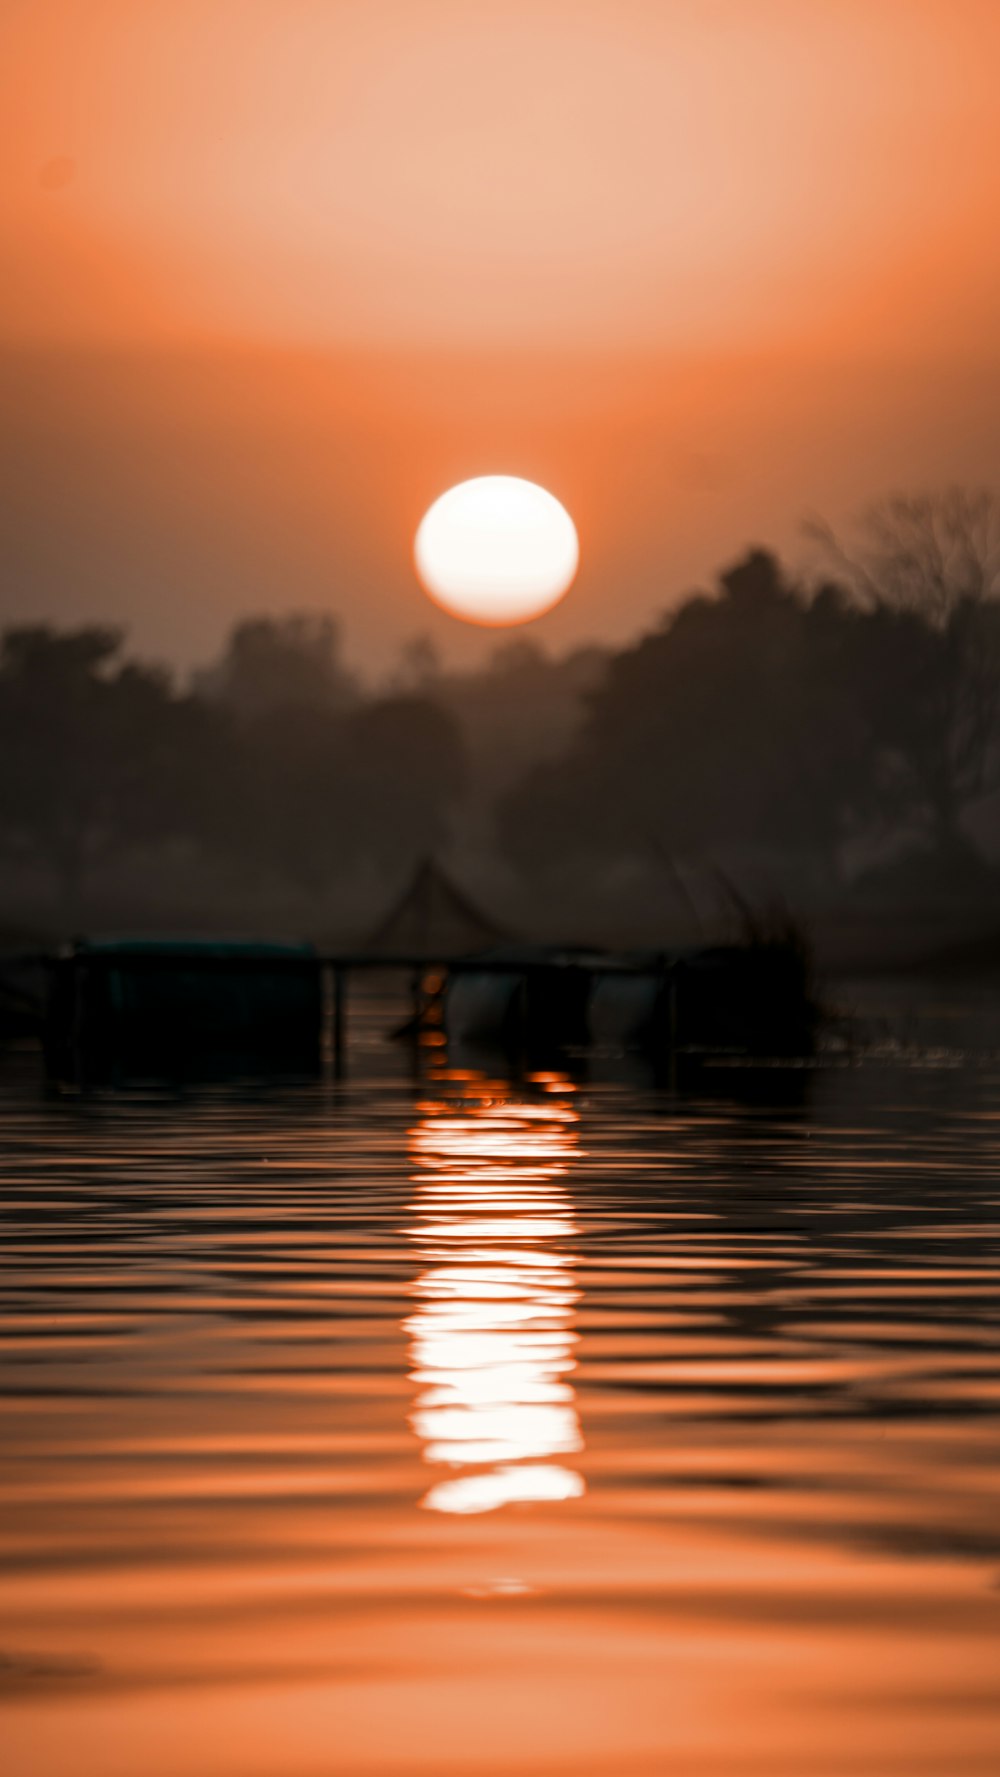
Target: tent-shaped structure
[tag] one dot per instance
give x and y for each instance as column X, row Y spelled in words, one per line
column 433, row 920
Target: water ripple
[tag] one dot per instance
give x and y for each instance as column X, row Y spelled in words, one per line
column 464, row 1428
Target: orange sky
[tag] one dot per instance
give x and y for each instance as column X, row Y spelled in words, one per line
column 275, row 271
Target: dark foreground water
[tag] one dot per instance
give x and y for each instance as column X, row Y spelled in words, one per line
column 458, row 1429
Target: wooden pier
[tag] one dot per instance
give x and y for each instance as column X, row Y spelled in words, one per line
column 119, row 1008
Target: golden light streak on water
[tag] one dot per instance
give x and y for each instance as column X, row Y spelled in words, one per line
column 493, row 1336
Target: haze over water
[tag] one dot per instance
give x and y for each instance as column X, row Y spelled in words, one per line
column 450, row 1426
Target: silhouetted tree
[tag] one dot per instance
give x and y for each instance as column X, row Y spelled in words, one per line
column 758, row 718
column 925, row 554
column 318, row 790
column 95, row 752
column 727, row 726
column 272, row 664
column 521, row 707
column 409, row 765
column 926, row 571
column 419, row 668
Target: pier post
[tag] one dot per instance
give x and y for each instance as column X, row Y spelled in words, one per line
column 672, row 1029
column 339, row 1022
column 418, row 999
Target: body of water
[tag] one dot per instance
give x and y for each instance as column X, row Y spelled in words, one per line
column 452, row 1427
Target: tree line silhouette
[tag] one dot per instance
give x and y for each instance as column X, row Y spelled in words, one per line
column 814, row 725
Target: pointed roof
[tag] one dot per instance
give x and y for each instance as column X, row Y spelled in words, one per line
column 433, row 919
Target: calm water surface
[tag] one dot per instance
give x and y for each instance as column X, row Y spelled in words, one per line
column 466, row 1429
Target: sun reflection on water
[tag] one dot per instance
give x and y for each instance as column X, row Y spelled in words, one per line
column 493, row 1339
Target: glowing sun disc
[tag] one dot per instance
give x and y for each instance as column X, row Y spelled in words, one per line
column 496, row 550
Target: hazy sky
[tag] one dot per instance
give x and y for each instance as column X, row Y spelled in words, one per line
column 275, row 272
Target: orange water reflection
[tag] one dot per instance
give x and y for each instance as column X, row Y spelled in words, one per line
column 493, row 1339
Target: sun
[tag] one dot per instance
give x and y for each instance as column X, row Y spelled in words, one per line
column 496, row 550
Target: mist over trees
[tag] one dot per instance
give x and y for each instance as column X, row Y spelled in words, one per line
column 810, row 733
